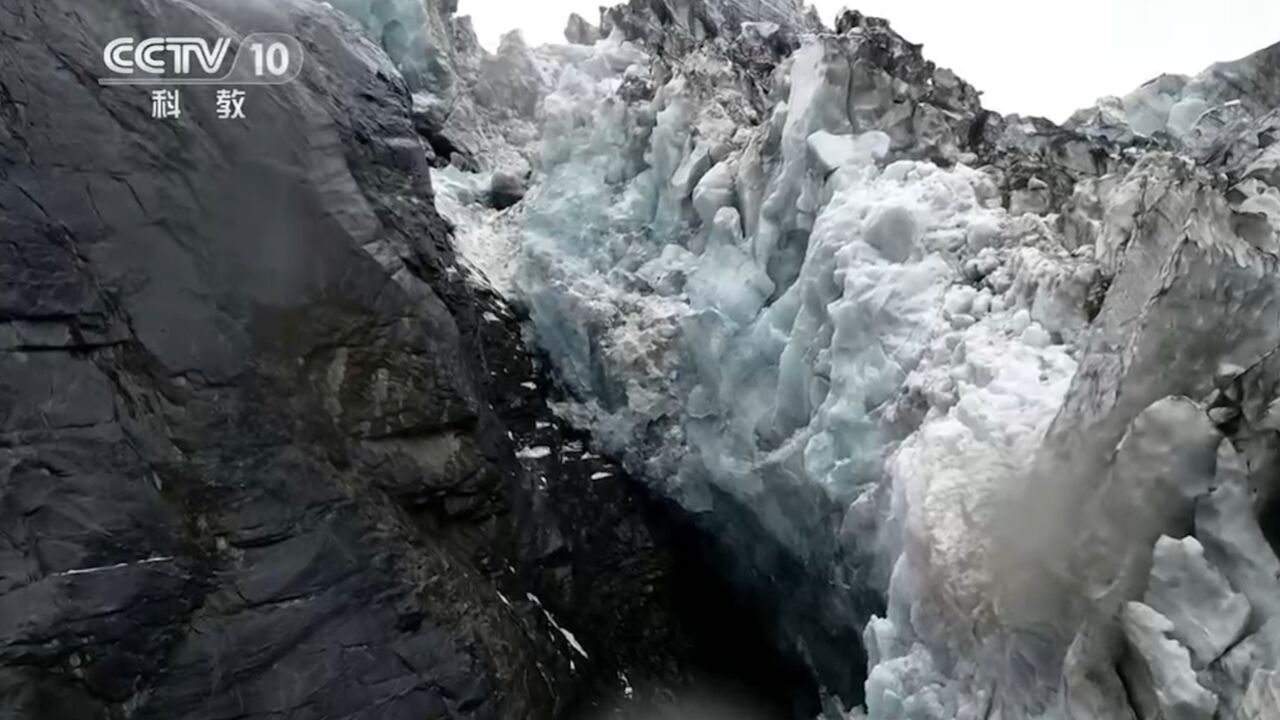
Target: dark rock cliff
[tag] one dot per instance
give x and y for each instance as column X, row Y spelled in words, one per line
column 259, row 435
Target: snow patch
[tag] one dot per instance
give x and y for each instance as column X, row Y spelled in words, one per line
column 109, row 568
column 568, row 636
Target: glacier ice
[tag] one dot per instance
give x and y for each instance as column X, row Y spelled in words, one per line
column 1233, row 540
column 1192, row 111
column 1167, row 687
column 1208, row 617
column 969, row 367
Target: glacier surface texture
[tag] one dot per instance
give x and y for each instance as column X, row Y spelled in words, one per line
column 986, row 403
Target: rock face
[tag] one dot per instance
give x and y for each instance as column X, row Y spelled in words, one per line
column 265, row 451
column 946, row 377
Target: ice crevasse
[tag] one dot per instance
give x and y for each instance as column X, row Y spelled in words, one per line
column 806, row 309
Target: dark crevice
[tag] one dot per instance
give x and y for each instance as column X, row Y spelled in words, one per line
column 735, row 666
column 1269, row 520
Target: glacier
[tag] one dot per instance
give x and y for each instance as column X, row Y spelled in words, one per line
column 1003, row 391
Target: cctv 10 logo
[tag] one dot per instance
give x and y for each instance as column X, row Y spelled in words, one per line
column 259, row 59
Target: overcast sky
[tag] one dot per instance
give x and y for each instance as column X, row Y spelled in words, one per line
column 1027, row 56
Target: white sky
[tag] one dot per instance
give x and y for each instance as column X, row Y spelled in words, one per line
column 1027, row 56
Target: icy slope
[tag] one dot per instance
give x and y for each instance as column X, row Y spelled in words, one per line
column 1191, row 112
column 936, row 359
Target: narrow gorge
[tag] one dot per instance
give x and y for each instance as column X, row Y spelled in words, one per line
column 715, row 363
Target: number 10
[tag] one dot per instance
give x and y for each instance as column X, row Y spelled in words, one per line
column 274, row 59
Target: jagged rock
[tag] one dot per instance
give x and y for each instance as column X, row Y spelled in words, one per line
column 1208, row 617
column 509, row 80
column 415, row 35
column 506, row 189
column 702, row 19
column 581, row 32
column 1227, row 526
column 1160, row 675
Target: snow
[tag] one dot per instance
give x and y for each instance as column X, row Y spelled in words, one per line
column 109, row 568
column 628, row 692
column 833, row 152
column 568, row 636
column 534, row 453
column 482, row 236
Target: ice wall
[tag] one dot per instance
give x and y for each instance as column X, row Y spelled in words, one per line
column 765, row 312
column 806, row 287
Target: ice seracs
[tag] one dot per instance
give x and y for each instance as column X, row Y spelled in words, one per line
column 811, row 318
column 1208, row 617
column 1225, row 524
column 954, row 373
column 1163, row 682
column 1193, row 112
